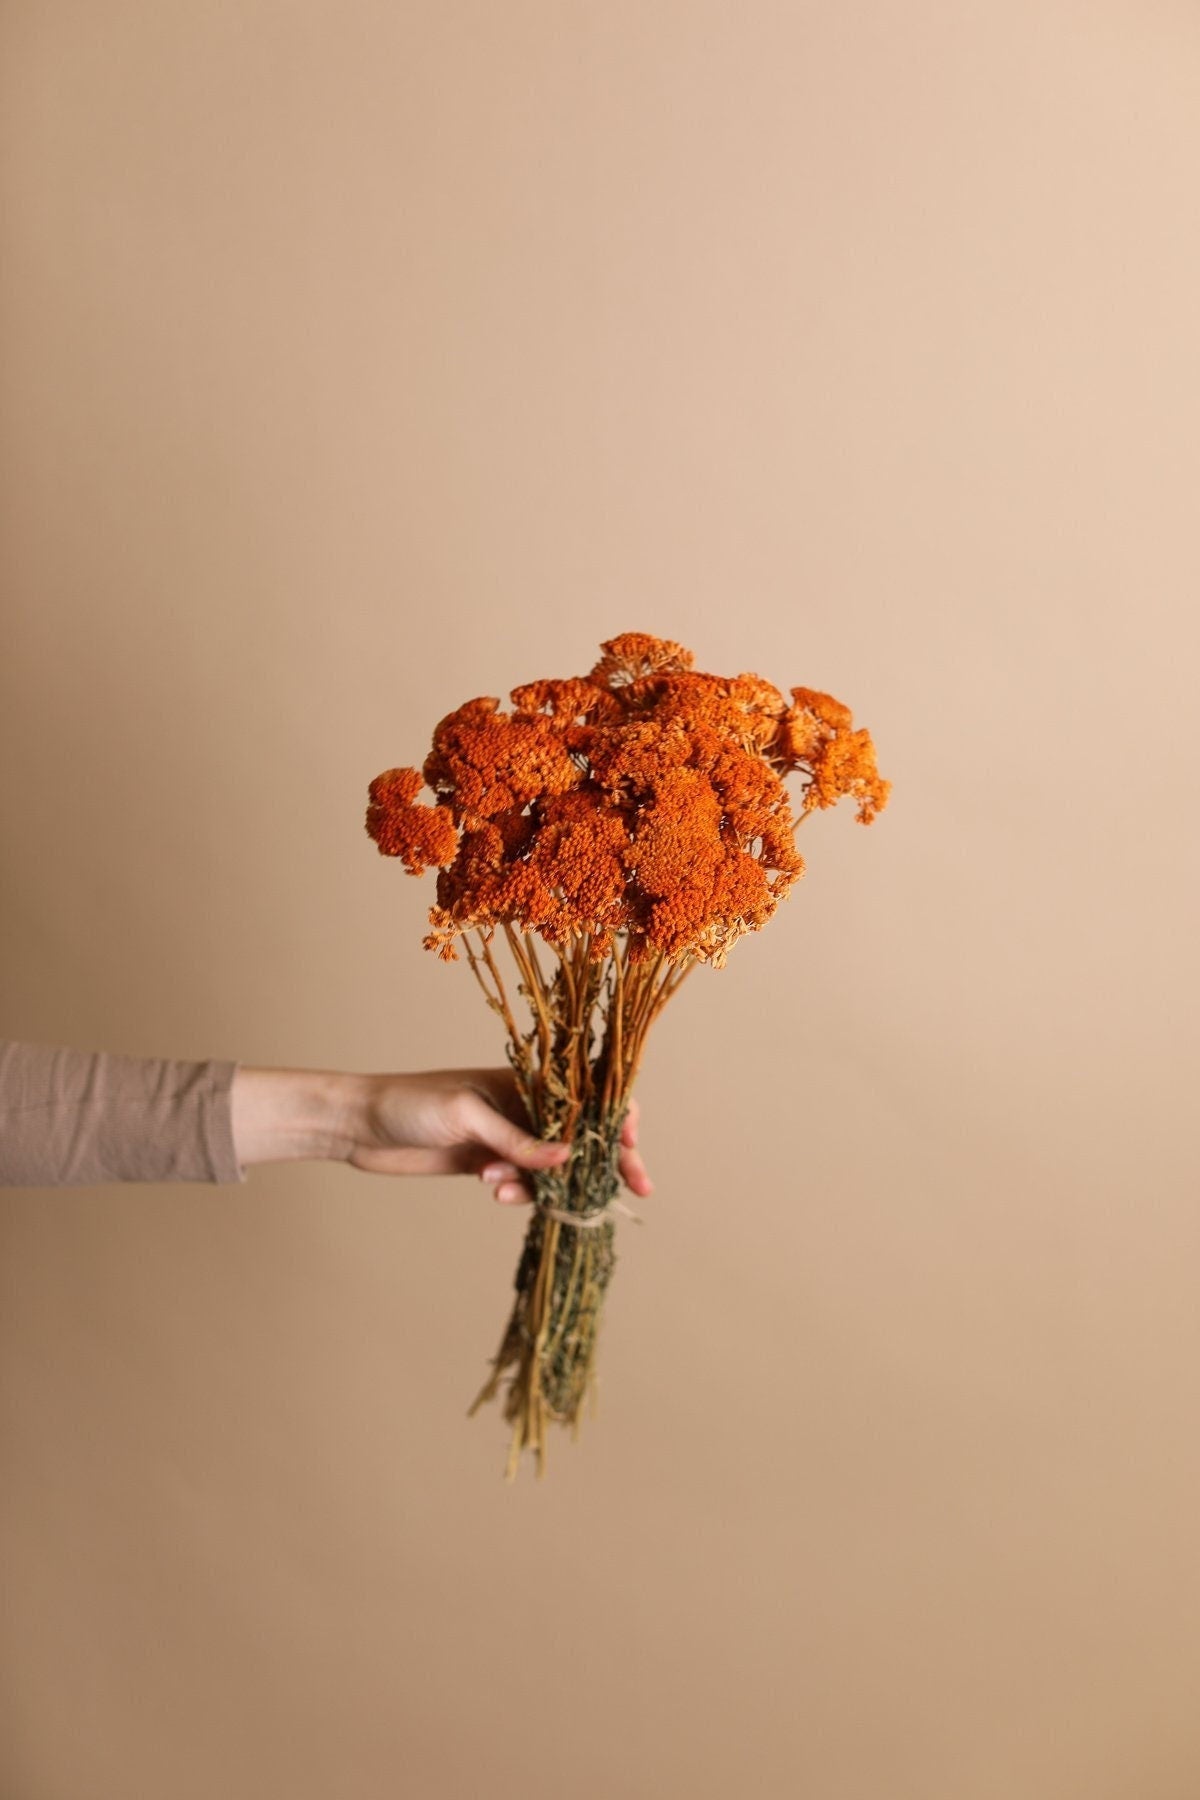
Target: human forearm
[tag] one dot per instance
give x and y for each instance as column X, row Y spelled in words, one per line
column 289, row 1115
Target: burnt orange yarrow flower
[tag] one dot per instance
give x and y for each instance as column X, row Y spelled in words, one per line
column 644, row 798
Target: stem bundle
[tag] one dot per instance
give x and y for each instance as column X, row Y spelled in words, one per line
column 575, row 1064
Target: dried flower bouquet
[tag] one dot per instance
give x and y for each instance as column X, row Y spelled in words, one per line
column 614, row 830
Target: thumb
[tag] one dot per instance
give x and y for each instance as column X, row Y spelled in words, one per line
column 506, row 1137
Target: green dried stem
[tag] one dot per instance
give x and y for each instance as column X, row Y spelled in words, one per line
column 549, row 1346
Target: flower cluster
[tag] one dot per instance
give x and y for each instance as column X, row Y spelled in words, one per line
column 644, row 798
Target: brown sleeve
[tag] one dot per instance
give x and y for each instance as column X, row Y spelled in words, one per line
column 71, row 1118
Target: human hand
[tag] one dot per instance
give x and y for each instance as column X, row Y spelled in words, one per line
column 469, row 1121
column 440, row 1122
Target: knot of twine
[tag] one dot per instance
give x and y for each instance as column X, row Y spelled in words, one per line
column 586, row 1220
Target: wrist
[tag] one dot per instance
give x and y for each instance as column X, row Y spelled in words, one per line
column 289, row 1115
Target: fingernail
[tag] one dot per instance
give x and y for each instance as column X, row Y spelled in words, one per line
column 498, row 1170
column 508, row 1192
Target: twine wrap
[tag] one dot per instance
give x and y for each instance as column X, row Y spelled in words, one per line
column 588, row 1219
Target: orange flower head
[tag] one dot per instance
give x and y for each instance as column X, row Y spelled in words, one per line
column 419, row 835
column 817, row 731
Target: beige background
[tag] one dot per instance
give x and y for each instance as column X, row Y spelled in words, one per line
column 360, row 358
